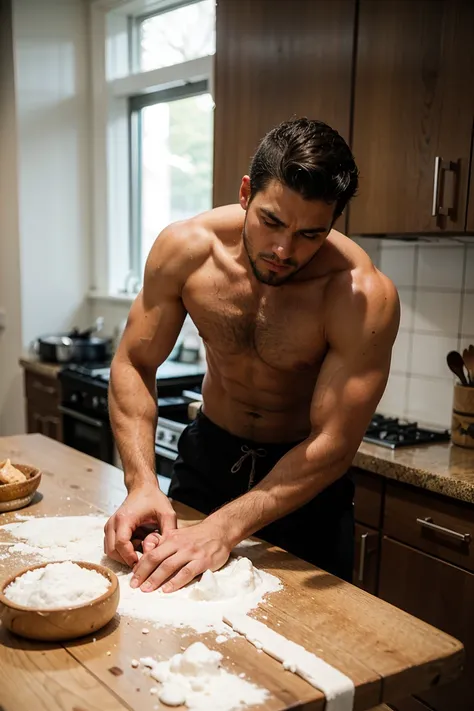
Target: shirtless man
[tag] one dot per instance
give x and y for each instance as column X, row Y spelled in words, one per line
column 298, row 327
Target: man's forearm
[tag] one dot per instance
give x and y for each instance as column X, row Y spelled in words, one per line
column 297, row 478
column 133, row 415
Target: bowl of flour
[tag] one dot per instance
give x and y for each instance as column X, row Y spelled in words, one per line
column 59, row 601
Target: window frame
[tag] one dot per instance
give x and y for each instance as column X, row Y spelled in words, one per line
column 114, row 83
column 135, row 106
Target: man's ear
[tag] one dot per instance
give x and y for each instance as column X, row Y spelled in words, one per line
column 245, row 192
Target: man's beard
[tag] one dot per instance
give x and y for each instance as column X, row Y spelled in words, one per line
column 270, row 278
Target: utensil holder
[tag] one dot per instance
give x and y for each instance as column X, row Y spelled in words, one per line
column 462, row 424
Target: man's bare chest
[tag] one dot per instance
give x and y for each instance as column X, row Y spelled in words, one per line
column 281, row 328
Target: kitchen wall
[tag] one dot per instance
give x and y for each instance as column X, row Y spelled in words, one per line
column 11, row 402
column 44, row 181
column 436, row 286
column 115, row 312
column 52, row 96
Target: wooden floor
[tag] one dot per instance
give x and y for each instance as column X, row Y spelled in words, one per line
column 386, row 652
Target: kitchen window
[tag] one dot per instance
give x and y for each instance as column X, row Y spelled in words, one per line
column 171, row 162
column 179, row 33
column 153, row 126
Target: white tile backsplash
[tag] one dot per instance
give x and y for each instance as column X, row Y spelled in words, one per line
column 394, row 398
column 407, row 305
column 429, row 352
column 440, row 267
column 467, row 327
column 401, row 352
column 398, row 263
column 430, row 401
column 437, row 313
column 469, row 284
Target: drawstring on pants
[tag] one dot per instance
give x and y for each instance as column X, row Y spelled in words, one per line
column 248, row 452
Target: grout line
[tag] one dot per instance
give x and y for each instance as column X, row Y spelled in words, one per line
column 414, row 274
column 435, row 334
column 461, row 306
column 420, row 376
column 438, row 289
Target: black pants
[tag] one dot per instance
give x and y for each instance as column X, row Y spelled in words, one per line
column 214, row 467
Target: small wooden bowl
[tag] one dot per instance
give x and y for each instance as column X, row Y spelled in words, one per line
column 62, row 622
column 16, row 496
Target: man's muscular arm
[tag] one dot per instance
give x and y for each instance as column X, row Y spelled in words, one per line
column 153, row 326
column 362, row 317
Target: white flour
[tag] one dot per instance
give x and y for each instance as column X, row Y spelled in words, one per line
column 336, row 686
column 195, row 679
column 238, row 587
column 57, row 585
column 60, row 537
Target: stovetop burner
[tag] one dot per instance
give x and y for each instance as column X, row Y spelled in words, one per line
column 393, row 433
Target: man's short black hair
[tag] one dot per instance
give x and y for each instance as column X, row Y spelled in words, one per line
column 309, row 157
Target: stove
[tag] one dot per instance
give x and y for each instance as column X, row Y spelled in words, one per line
column 393, row 433
column 84, row 408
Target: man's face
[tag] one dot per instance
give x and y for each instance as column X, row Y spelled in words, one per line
column 282, row 232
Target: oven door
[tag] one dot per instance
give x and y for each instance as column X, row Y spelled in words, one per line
column 164, row 459
column 88, row 434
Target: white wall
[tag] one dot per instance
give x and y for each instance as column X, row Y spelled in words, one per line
column 436, row 286
column 11, row 395
column 52, row 94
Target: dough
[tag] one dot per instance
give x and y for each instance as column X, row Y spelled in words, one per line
column 10, row 474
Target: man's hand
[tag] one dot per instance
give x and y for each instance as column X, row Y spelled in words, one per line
column 142, row 507
column 180, row 556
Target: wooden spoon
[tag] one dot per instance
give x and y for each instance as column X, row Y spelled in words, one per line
column 468, row 358
column 456, row 365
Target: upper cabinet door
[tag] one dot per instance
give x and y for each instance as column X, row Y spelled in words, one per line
column 413, row 115
column 277, row 59
column 470, row 207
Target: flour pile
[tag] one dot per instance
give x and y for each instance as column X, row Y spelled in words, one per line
column 59, row 537
column 195, row 679
column 57, row 585
column 238, row 587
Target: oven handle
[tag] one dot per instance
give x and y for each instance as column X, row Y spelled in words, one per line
column 192, row 396
column 166, row 453
column 79, row 416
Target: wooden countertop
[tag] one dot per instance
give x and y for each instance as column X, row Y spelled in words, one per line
column 34, row 365
column 443, row 468
column 386, row 652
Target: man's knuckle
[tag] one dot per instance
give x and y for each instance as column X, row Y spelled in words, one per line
column 167, row 568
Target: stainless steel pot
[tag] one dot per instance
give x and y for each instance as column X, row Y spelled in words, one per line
column 74, row 347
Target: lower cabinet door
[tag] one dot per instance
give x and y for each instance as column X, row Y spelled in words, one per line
column 442, row 595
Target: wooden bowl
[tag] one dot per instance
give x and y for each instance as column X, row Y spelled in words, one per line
column 16, row 496
column 62, row 622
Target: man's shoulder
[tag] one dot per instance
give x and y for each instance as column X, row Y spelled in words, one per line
column 358, row 293
column 355, row 273
column 190, row 242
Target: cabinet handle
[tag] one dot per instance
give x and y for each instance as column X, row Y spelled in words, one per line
column 428, row 523
column 363, row 549
column 39, row 422
column 440, row 166
column 44, row 388
column 52, row 424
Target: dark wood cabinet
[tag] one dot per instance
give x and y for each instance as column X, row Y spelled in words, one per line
column 366, row 558
column 410, row 704
column 43, row 397
column 442, row 595
column 470, row 207
column 274, row 61
column 368, row 497
column 413, row 116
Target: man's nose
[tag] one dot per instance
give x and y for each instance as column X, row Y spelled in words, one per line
column 283, row 247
